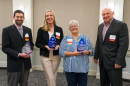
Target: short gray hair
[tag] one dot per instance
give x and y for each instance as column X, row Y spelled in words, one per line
column 73, row 22
column 108, row 8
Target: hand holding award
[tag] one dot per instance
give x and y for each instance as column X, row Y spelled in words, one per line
column 81, row 46
column 52, row 42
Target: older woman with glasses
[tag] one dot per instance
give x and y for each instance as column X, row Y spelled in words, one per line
column 76, row 64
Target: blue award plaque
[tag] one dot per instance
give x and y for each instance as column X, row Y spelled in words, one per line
column 81, row 46
column 52, row 42
column 26, row 48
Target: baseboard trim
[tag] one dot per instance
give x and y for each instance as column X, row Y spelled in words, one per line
column 92, row 72
column 97, row 75
column 3, row 63
column 38, row 67
column 126, row 75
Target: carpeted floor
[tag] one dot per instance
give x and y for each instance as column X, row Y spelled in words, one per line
column 37, row 78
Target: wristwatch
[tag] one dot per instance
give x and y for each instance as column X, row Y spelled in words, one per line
column 88, row 52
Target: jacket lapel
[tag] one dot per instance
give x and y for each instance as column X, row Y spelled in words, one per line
column 47, row 35
column 24, row 32
column 54, row 31
column 109, row 30
column 100, row 33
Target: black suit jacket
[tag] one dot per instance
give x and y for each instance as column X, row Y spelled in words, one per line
column 12, row 44
column 43, row 39
column 110, row 52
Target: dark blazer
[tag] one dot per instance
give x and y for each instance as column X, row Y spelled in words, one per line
column 112, row 52
column 43, row 39
column 12, row 44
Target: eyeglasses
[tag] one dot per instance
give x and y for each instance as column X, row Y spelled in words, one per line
column 73, row 26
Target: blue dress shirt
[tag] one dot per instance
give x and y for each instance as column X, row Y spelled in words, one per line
column 78, row 64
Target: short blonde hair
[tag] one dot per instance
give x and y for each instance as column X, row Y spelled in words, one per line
column 73, row 22
column 45, row 25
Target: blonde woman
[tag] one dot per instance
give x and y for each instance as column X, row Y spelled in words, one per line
column 50, row 58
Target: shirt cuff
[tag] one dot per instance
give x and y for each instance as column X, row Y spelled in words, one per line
column 18, row 55
column 63, row 54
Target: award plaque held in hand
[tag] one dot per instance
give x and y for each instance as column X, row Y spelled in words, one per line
column 52, row 42
column 81, row 46
column 27, row 46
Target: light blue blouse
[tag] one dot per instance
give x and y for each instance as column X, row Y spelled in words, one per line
column 78, row 64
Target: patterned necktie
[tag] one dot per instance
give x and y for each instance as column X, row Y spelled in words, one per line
column 21, row 32
column 105, row 28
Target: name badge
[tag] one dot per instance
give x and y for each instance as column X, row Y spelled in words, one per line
column 69, row 41
column 57, row 35
column 26, row 37
column 112, row 38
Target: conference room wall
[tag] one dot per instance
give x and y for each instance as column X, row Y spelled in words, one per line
column 83, row 15
column 126, row 19
column 126, row 16
column 90, row 16
column 6, row 15
column 86, row 12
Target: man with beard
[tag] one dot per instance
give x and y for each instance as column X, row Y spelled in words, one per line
column 13, row 39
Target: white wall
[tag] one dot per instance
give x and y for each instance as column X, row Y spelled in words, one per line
column 3, row 56
column 28, row 11
column 118, row 13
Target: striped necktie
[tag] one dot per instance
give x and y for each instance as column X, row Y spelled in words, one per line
column 21, row 32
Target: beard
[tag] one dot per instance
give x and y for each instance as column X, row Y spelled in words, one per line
column 19, row 23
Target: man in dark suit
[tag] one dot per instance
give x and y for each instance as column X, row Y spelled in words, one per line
column 13, row 39
column 111, row 47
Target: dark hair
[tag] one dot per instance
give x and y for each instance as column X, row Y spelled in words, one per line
column 18, row 11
